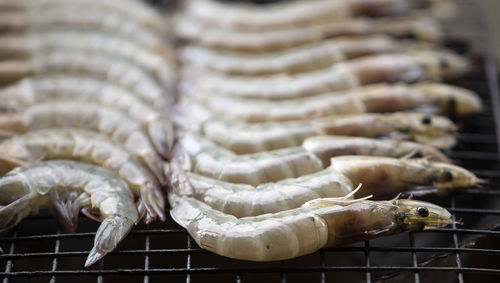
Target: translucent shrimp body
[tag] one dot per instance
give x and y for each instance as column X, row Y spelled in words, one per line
column 294, row 60
column 244, row 138
column 380, row 176
column 80, row 17
column 420, row 27
column 158, row 61
column 66, row 187
column 89, row 147
column 372, row 98
column 291, row 233
column 33, row 91
column 84, row 115
column 115, row 70
column 199, row 155
column 402, row 67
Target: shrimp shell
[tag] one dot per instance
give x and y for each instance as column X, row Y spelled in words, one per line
column 380, row 176
column 291, row 233
column 159, row 62
column 118, row 71
column 33, row 91
column 294, row 13
column 244, row 138
column 403, row 67
column 201, row 156
column 86, row 17
column 91, row 116
column 371, row 98
column 129, row 9
column 66, row 187
column 420, row 27
column 85, row 146
column 306, row 58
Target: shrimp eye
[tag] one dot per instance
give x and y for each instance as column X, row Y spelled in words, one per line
column 426, row 120
column 447, row 176
column 418, row 154
column 423, row 211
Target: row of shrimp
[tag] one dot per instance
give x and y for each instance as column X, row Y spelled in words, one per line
column 292, row 116
column 86, row 88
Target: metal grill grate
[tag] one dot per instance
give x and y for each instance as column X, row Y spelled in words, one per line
column 38, row 251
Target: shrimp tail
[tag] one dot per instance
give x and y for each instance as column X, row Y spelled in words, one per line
column 111, row 232
column 18, row 200
column 153, row 203
column 162, row 136
column 66, row 206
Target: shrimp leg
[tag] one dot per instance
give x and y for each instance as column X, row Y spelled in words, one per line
column 66, row 187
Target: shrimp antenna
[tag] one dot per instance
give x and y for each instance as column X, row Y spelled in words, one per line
column 353, row 192
column 395, row 198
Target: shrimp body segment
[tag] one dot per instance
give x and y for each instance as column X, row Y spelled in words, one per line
column 66, row 187
column 89, row 147
column 291, row 233
column 33, row 91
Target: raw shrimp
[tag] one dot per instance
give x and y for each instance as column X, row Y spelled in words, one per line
column 291, row 233
column 66, row 187
column 159, row 62
column 294, row 13
column 402, row 67
column 395, row 175
column 96, row 117
column 90, row 147
column 306, row 58
column 376, row 173
column 372, row 98
column 416, row 26
column 200, row 155
column 115, row 70
column 129, row 9
column 244, row 138
column 38, row 90
column 79, row 17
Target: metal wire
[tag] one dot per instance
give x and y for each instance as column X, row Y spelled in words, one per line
column 37, row 251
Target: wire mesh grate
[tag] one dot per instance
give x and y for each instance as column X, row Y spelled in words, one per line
column 38, row 251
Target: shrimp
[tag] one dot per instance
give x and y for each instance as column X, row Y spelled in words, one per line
column 417, row 26
column 66, row 187
column 159, row 62
column 201, row 156
column 33, row 91
column 80, row 17
column 253, row 17
column 372, row 98
column 403, row 67
column 319, row 223
column 301, row 59
column 89, row 147
column 106, row 120
column 118, row 71
column 129, row 9
column 244, row 138
column 395, row 175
